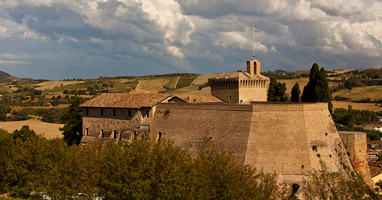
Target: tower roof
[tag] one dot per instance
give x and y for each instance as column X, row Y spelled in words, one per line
column 240, row 76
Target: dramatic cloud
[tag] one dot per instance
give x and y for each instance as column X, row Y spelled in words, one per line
column 90, row 38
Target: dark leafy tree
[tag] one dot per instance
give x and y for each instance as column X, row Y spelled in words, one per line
column 317, row 89
column 24, row 133
column 72, row 131
column 295, row 93
column 276, row 91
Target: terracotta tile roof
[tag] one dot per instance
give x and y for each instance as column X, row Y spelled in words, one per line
column 370, row 151
column 126, row 100
column 199, row 98
column 375, row 142
column 375, row 167
column 239, row 75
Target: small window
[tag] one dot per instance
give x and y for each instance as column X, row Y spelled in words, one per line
column 129, row 113
column 147, row 113
column 101, row 112
column 101, row 132
column 114, row 112
column 87, row 111
column 87, row 131
column 230, row 97
column 115, row 134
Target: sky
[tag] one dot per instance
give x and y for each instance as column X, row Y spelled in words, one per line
column 61, row 39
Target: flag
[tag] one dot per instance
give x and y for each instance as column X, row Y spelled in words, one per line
column 254, row 27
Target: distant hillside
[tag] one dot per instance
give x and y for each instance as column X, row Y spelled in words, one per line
column 5, row 77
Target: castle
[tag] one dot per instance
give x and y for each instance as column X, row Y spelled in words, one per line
column 287, row 138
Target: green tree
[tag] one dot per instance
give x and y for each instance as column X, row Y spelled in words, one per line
column 295, row 93
column 72, row 131
column 24, row 133
column 276, row 91
column 317, row 89
column 345, row 184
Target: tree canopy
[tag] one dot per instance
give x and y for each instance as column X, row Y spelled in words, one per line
column 317, row 89
column 72, row 131
column 276, row 91
column 295, row 93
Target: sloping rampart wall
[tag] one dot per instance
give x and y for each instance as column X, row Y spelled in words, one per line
column 289, row 139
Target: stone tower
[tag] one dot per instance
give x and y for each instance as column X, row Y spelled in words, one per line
column 241, row 87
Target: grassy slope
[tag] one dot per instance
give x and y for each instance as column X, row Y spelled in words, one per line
column 49, row 130
column 359, row 93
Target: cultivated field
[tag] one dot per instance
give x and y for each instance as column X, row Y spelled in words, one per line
column 290, row 82
column 150, row 86
column 356, row 106
column 52, row 84
column 200, row 80
column 359, row 93
column 18, row 108
column 49, row 130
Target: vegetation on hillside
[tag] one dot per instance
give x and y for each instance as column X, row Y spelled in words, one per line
column 33, row 166
column 345, row 120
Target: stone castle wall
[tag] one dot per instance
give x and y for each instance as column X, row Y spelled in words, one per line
column 289, row 139
column 191, row 125
column 356, row 147
column 226, row 90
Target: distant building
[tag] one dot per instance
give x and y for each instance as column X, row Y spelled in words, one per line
column 235, row 115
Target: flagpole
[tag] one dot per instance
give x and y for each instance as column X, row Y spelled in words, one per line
column 253, row 41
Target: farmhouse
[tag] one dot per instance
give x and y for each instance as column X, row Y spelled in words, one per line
column 291, row 139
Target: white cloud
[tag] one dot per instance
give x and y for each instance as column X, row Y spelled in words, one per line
column 175, row 51
column 12, row 62
column 190, row 35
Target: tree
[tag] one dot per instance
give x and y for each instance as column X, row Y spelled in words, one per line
column 317, row 89
column 295, row 94
column 24, row 133
column 276, row 91
column 72, row 131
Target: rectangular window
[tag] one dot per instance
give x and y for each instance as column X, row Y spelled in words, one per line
column 87, row 111
column 87, row 131
column 115, row 133
column 129, row 113
column 114, row 112
column 101, row 132
column 101, row 112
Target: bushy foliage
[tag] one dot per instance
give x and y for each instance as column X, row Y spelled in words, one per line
column 352, row 117
column 141, row 170
column 276, row 91
column 324, row 184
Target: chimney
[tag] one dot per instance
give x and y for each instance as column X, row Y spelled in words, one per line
column 253, row 67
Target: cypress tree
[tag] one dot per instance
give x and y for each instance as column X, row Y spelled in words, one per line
column 317, row 89
column 295, row 94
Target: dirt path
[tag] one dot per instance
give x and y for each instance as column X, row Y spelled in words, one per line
column 177, row 80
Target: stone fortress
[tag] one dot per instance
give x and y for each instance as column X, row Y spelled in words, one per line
column 289, row 139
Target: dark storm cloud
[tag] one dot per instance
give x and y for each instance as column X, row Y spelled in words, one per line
column 90, row 38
